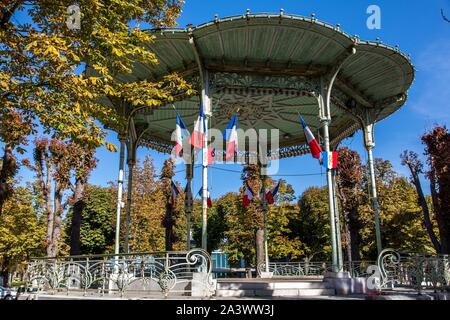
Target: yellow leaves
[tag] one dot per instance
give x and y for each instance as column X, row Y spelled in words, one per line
column 117, row 52
column 111, row 147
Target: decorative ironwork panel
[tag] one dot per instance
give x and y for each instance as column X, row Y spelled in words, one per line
column 165, row 272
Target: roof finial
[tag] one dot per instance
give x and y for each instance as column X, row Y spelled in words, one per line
column 247, row 13
column 189, row 28
column 313, row 16
column 281, row 11
column 216, row 18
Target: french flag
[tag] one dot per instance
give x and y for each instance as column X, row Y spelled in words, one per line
column 312, row 142
column 270, row 195
column 248, row 196
column 330, row 159
column 231, row 138
column 181, row 133
column 208, row 199
column 198, row 135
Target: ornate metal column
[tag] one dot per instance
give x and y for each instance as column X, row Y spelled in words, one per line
column 188, row 203
column 119, row 193
column 131, row 161
column 325, row 118
column 338, row 224
column 206, row 102
column 325, row 122
column 265, row 210
column 369, row 142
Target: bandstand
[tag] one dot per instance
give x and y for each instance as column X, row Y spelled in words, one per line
column 269, row 68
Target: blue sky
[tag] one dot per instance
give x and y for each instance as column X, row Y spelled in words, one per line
column 416, row 26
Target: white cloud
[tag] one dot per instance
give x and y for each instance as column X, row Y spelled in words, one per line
column 431, row 97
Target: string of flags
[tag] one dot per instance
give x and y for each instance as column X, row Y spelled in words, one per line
column 197, row 139
column 249, row 195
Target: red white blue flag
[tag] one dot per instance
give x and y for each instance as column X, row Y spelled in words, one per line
column 181, row 133
column 314, row 146
column 231, row 138
column 270, row 195
column 248, row 196
column 198, row 135
column 208, row 199
column 330, row 159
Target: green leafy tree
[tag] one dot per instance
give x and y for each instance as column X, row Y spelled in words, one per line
column 313, row 226
column 97, row 226
column 350, row 187
column 148, row 212
column 400, row 215
column 41, row 83
column 22, row 233
column 283, row 241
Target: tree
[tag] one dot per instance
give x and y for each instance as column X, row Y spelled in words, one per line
column 444, row 16
column 97, row 228
column 313, row 227
column 283, row 241
column 83, row 162
column 58, row 162
column 437, row 150
column 349, row 182
column 148, row 212
column 22, row 233
column 411, row 159
column 252, row 177
column 400, row 216
column 168, row 221
column 40, row 79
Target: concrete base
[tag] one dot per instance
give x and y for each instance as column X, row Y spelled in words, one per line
column 344, row 284
column 266, row 275
column 202, row 286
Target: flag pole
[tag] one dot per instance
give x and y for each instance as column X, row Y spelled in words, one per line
column 207, row 113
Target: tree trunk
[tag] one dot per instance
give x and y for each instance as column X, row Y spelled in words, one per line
column 352, row 227
column 4, row 271
column 57, row 219
column 77, row 214
column 441, row 211
column 169, row 227
column 8, row 170
column 259, row 241
column 426, row 212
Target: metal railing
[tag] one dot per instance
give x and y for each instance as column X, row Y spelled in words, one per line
column 415, row 271
column 314, row 268
column 392, row 269
column 162, row 272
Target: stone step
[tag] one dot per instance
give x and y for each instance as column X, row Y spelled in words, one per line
column 256, row 285
column 275, row 293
